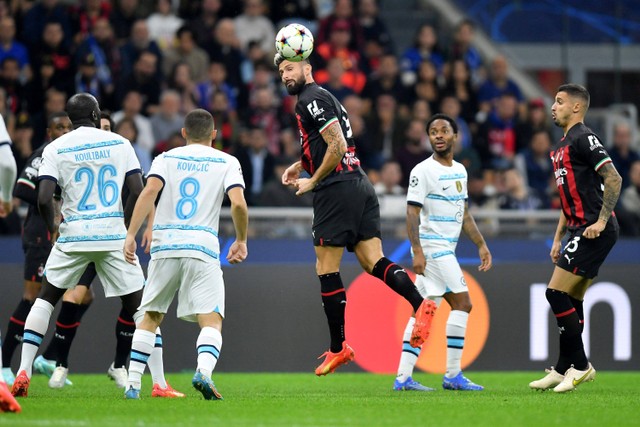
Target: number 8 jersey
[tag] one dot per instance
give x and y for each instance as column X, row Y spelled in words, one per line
column 195, row 179
column 90, row 166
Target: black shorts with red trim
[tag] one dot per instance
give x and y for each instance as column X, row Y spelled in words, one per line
column 35, row 258
column 345, row 213
column 582, row 256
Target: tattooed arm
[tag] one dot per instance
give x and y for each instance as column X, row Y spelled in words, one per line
column 470, row 228
column 337, row 147
column 612, row 184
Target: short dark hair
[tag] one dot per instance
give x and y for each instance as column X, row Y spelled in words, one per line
column 441, row 116
column 54, row 116
column 198, row 125
column 279, row 59
column 576, row 91
column 83, row 106
column 106, row 115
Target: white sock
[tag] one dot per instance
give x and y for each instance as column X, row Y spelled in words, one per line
column 456, row 329
column 35, row 328
column 409, row 355
column 141, row 348
column 156, row 363
column 208, row 345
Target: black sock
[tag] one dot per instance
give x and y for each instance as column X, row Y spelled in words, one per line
column 334, row 301
column 66, row 327
column 82, row 309
column 125, row 327
column 397, row 279
column 571, row 346
column 14, row 331
column 579, row 306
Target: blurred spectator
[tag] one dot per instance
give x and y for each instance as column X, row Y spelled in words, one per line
column 123, row 16
column 18, row 95
column 127, row 128
column 257, row 163
column 335, row 76
column 536, row 119
column 53, row 63
column 226, row 121
column 131, row 109
column 621, row 152
column 275, row 194
column 186, row 50
column 391, row 195
column 216, row 82
column 204, row 21
column 386, row 128
column 414, row 150
column 462, row 48
column 168, row 120
column 630, row 203
column 85, row 15
column 427, row 87
column 138, row 43
column 425, row 47
column 11, row 48
column 337, row 46
column 225, row 48
column 174, row 141
column 495, row 86
column 450, row 105
column 87, row 80
column 480, row 195
column 54, row 102
column 421, row 110
column 458, row 78
column 534, row 165
column 163, row 25
column 284, row 12
column 255, row 55
column 496, row 141
column 385, row 80
column 180, row 80
column 143, row 80
column 253, row 25
column 516, row 194
column 468, row 156
column 343, row 12
column 21, row 140
column 373, row 28
column 265, row 114
column 42, row 12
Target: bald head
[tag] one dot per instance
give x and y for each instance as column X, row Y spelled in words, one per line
column 83, row 109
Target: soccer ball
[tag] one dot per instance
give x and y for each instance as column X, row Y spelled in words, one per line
column 294, row 42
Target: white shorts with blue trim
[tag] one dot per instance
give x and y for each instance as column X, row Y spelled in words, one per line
column 200, row 285
column 64, row 269
column 442, row 275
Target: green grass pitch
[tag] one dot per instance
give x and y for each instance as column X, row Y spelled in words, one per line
column 340, row 399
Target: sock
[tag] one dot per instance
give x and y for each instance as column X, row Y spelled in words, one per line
column 334, row 302
column 82, row 309
column 14, row 331
column 208, row 344
column 409, row 355
column 141, row 348
column 571, row 346
column 155, row 362
column 66, row 327
column 455, row 329
column 577, row 304
column 397, row 279
column 35, row 327
column 125, row 327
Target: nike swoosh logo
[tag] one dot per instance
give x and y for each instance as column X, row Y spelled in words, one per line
column 579, row 380
column 445, row 188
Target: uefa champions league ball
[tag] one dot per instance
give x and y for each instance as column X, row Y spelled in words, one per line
column 294, row 42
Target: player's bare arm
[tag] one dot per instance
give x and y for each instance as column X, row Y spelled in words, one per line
column 240, row 215
column 292, row 173
column 561, row 230
column 147, row 235
column 142, row 209
column 413, row 231
column 135, row 185
column 470, row 228
column 612, row 185
column 46, row 189
column 337, row 147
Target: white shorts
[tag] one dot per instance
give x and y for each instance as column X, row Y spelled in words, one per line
column 200, row 286
column 118, row 277
column 441, row 276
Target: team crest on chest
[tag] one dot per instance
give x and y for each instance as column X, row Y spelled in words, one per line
column 459, row 186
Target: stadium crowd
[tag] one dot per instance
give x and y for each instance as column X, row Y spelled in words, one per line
column 150, row 62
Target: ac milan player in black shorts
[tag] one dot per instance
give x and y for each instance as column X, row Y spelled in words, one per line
column 345, row 209
column 589, row 187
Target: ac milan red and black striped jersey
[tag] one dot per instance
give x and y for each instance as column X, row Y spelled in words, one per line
column 576, row 161
column 316, row 110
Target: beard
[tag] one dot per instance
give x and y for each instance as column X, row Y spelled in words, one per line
column 296, row 87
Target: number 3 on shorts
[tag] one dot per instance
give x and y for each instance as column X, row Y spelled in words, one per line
column 572, row 245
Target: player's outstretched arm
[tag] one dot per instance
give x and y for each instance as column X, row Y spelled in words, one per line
column 141, row 210
column 337, row 147
column 413, row 231
column 612, row 186
column 240, row 214
column 556, row 246
column 470, row 228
